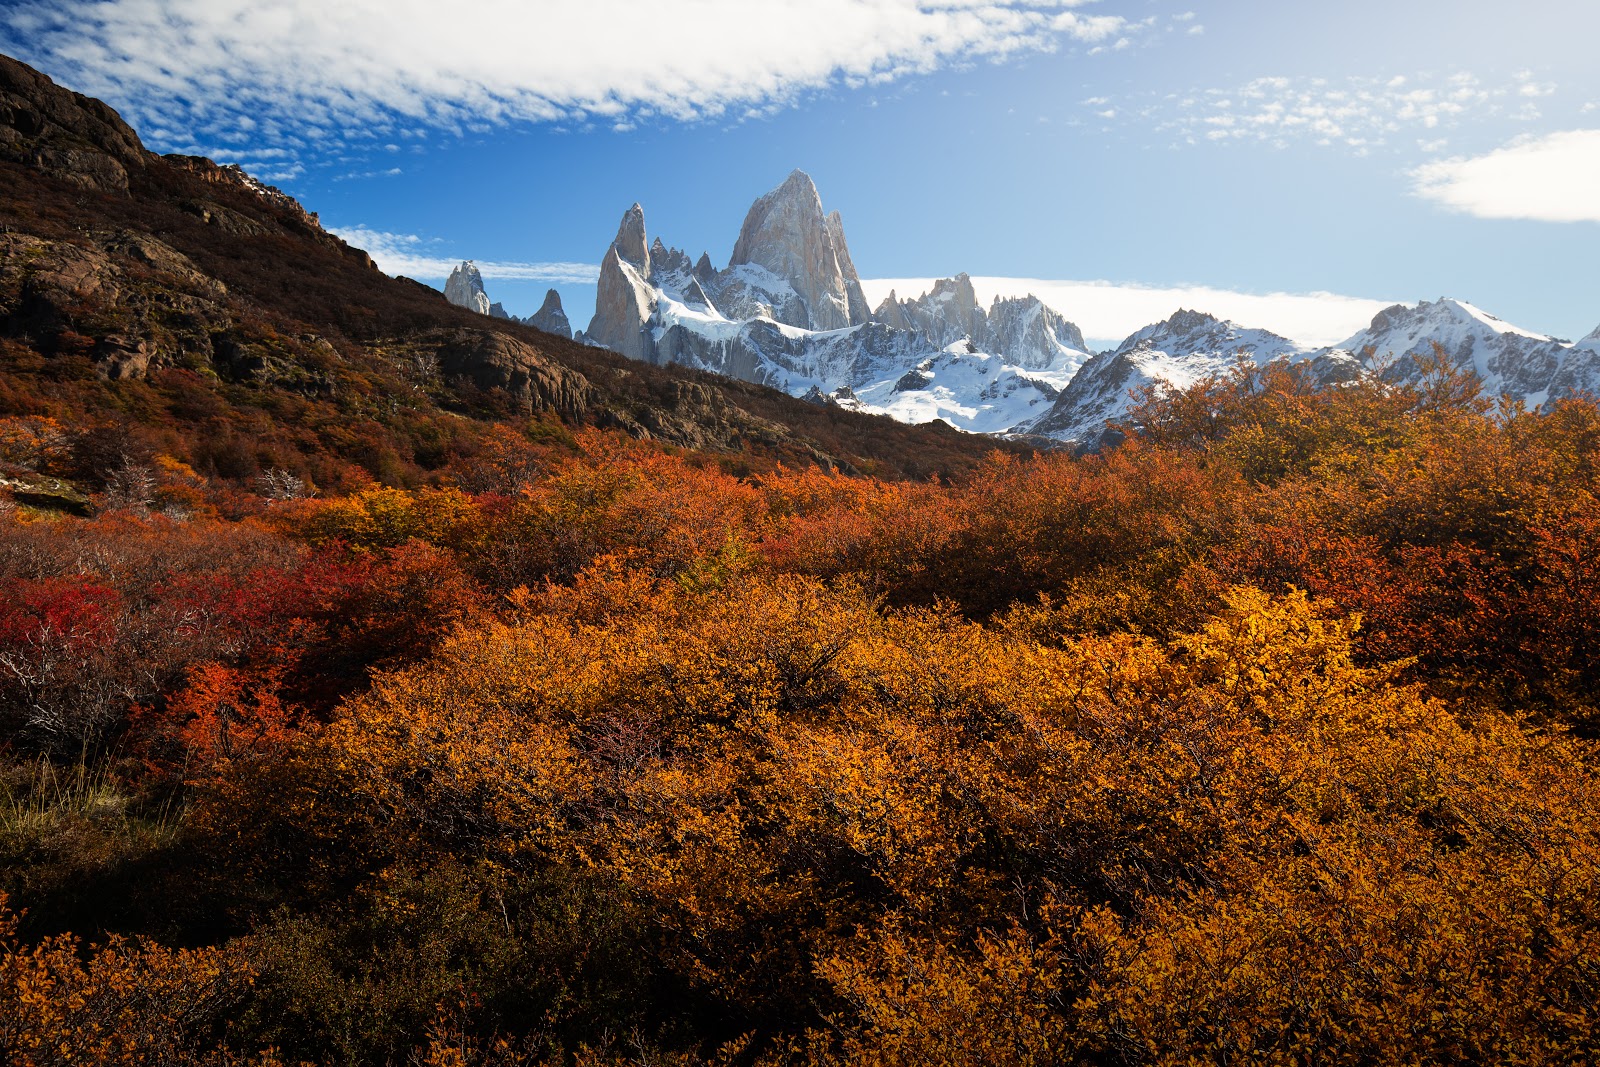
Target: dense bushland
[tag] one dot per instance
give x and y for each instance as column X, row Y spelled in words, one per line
column 1267, row 736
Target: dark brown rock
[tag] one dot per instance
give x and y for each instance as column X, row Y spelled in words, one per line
column 497, row 361
column 64, row 134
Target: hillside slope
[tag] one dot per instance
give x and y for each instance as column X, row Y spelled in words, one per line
column 176, row 307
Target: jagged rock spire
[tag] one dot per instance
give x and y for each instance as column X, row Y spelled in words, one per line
column 624, row 300
column 860, row 310
column 465, row 288
column 787, row 234
column 630, row 243
column 551, row 317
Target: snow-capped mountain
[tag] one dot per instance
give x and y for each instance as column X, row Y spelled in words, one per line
column 786, row 237
column 1032, row 335
column 1510, row 361
column 1179, row 352
column 788, row 311
column 1580, row 369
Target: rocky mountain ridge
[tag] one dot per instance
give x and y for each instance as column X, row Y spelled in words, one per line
column 1188, row 346
column 788, row 311
column 1508, row 360
column 784, row 313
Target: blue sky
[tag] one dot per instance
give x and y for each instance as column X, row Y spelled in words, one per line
column 1381, row 151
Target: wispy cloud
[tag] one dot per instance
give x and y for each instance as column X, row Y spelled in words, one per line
column 1355, row 113
column 1107, row 312
column 417, row 257
column 310, row 71
column 1549, row 179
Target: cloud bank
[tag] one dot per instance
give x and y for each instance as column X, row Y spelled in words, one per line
column 1107, row 312
column 408, row 254
column 309, row 70
column 1555, row 178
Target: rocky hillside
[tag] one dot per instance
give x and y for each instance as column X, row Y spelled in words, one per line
column 180, row 308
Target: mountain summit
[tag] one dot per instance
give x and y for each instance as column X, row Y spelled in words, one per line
column 787, row 235
column 789, row 311
column 1507, row 359
column 465, row 288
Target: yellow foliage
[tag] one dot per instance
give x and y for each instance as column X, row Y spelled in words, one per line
column 1241, row 825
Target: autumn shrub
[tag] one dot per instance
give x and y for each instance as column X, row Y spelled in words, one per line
column 491, row 952
column 121, row 1002
column 1265, row 736
column 775, row 772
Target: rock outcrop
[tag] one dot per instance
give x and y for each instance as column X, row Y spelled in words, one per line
column 153, row 305
column 232, row 174
column 496, row 361
column 624, row 299
column 66, row 135
column 464, row 289
column 550, row 317
column 786, row 235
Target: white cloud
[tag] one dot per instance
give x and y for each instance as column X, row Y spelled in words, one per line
column 408, row 254
column 1550, row 179
column 379, row 68
column 1107, row 312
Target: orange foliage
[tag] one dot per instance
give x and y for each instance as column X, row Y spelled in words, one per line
column 123, row 1002
column 224, row 712
column 1262, row 737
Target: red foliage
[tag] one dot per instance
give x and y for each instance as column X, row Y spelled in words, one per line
column 226, row 712
column 73, row 608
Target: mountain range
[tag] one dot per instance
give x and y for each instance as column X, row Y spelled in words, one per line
column 788, row 311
